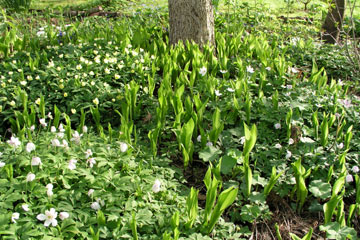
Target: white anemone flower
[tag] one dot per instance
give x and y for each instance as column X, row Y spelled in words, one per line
column 65, row 144
column 30, row 177
column 355, row 169
column 2, row 164
column 91, row 162
column 43, row 122
column 278, row 146
column 349, row 178
column 203, row 71
column 291, row 141
column 49, row 188
column 90, row 192
column 61, row 128
column 60, row 135
column 230, row 90
column 76, row 137
column 95, row 206
column 49, row 217
column 72, row 164
column 15, row 216
column 30, row 147
column 218, row 93
column 250, row 69
column 88, row 153
column 14, row 142
column 277, row 126
column 63, row 215
column 53, row 129
column 123, row 147
column 157, row 186
column 55, row 143
column 25, row 207
column 288, row 154
column 36, row 161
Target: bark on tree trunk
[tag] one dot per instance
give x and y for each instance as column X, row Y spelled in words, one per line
column 191, row 20
column 334, row 20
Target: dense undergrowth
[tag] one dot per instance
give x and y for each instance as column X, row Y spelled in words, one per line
column 112, row 109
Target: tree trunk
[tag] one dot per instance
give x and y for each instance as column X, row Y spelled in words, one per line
column 191, row 20
column 333, row 22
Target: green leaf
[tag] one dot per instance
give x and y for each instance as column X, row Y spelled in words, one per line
column 338, row 185
column 227, row 164
column 209, row 154
column 335, row 231
column 249, row 213
column 320, row 189
column 330, row 206
column 250, row 138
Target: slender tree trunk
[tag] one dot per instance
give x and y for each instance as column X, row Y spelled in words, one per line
column 334, row 20
column 191, row 20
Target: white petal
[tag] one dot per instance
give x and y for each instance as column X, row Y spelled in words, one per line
column 47, row 223
column 41, row 217
column 54, row 222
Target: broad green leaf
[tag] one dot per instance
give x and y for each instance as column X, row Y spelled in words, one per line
column 320, row 189
column 209, row 154
column 335, row 231
column 227, row 164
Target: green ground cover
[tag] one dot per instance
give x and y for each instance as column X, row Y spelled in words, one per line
column 107, row 132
